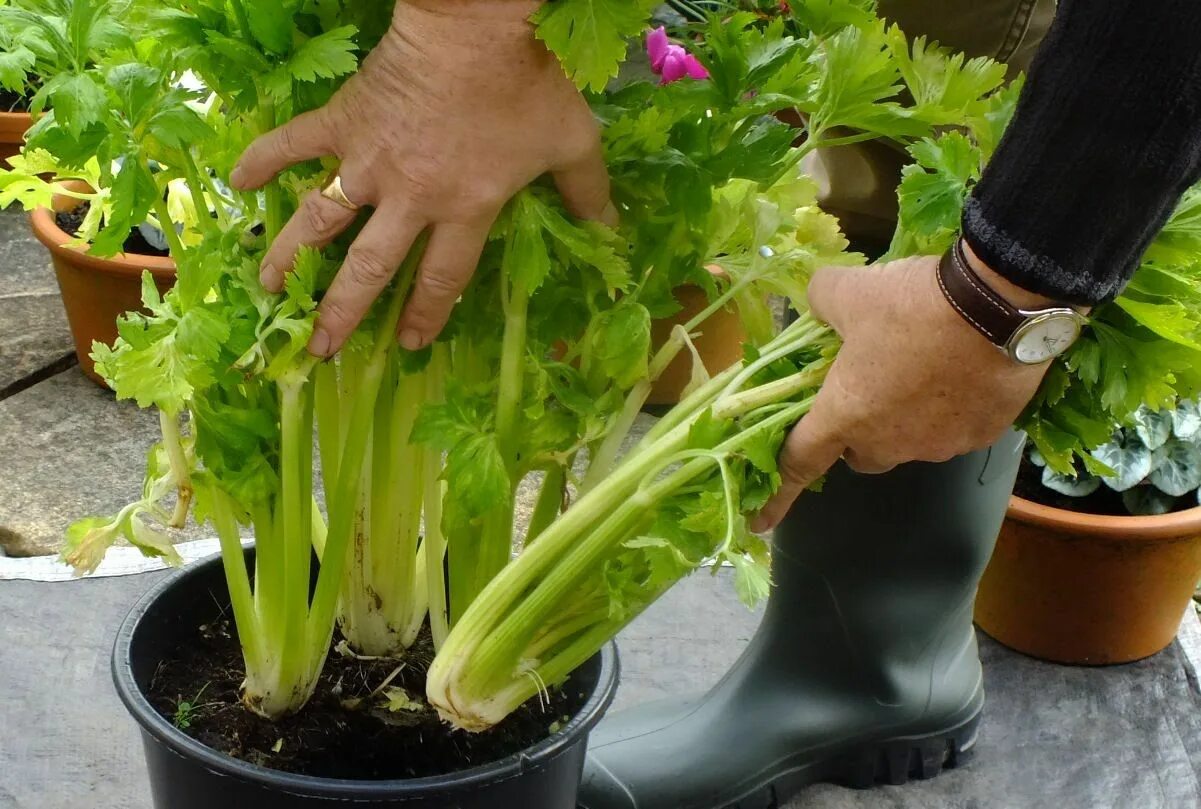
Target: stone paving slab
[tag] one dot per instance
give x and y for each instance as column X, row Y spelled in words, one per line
column 24, row 262
column 37, row 339
column 33, row 326
column 68, row 449
column 1125, row 737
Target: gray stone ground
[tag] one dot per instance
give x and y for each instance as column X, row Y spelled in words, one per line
column 1062, row 738
column 69, row 450
column 33, row 327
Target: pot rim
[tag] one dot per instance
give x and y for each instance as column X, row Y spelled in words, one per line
column 1177, row 525
column 152, row 722
column 126, row 265
column 24, row 119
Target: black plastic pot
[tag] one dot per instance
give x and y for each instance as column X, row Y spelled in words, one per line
column 185, row 774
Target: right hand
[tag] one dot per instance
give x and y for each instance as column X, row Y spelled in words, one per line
column 913, row 380
column 456, row 110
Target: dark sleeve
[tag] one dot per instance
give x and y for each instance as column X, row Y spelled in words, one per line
column 1105, row 140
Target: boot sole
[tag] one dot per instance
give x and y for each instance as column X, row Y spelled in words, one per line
column 895, row 762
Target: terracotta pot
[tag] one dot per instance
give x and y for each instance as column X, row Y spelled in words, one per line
column 13, row 126
column 1089, row 589
column 96, row 291
column 719, row 345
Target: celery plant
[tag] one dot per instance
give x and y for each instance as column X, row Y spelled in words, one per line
column 385, row 595
column 729, row 193
column 621, row 545
column 222, row 361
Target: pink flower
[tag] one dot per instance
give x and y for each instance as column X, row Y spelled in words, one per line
column 671, row 61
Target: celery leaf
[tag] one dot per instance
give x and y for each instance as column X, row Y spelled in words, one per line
column 621, row 341
column 589, row 36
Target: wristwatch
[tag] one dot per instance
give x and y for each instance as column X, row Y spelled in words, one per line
column 1029, row 337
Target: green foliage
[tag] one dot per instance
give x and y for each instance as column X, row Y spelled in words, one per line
column 826, row 17
column 590, row 36
column 45, row 43
column 1154, row 461
column 621, row 341
column 186, row 710
column 17, row 61
column 933, row 188
column 857, row 87
column 327, row 56
column 947, row 88
column 1140, row 351
column 150, row 104
column 140, row 523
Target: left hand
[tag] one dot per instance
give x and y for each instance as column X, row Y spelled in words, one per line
column 913, row 381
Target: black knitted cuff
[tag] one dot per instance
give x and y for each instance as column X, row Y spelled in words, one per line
column 1033, row 272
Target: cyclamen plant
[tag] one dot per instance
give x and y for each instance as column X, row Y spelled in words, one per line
column 1155, row 462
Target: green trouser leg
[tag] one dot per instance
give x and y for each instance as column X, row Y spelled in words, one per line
column 865, row 667
column 1009, row 31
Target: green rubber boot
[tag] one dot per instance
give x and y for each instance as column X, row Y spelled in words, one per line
column 865, row 668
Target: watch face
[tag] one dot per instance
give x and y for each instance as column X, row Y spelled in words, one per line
column 1045, row 337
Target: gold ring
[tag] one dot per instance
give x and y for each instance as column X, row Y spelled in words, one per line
column 333, row 191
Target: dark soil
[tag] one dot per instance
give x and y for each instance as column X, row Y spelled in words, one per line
column 1104, row 501
column 12, row 102
column 344, row 732
column 136, row 245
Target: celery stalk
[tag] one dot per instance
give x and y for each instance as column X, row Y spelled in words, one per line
column 545, row 614
column 434, row 542
column 384, row 602
column 346, row 492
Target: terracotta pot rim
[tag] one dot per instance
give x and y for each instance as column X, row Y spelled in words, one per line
column 13, row 127
column 1178, row 525
column 57, row 241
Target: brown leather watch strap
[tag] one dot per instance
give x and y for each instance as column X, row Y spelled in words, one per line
column 988, row 312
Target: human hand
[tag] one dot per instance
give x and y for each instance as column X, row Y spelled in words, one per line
column 913, row 381
column 456, row 110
